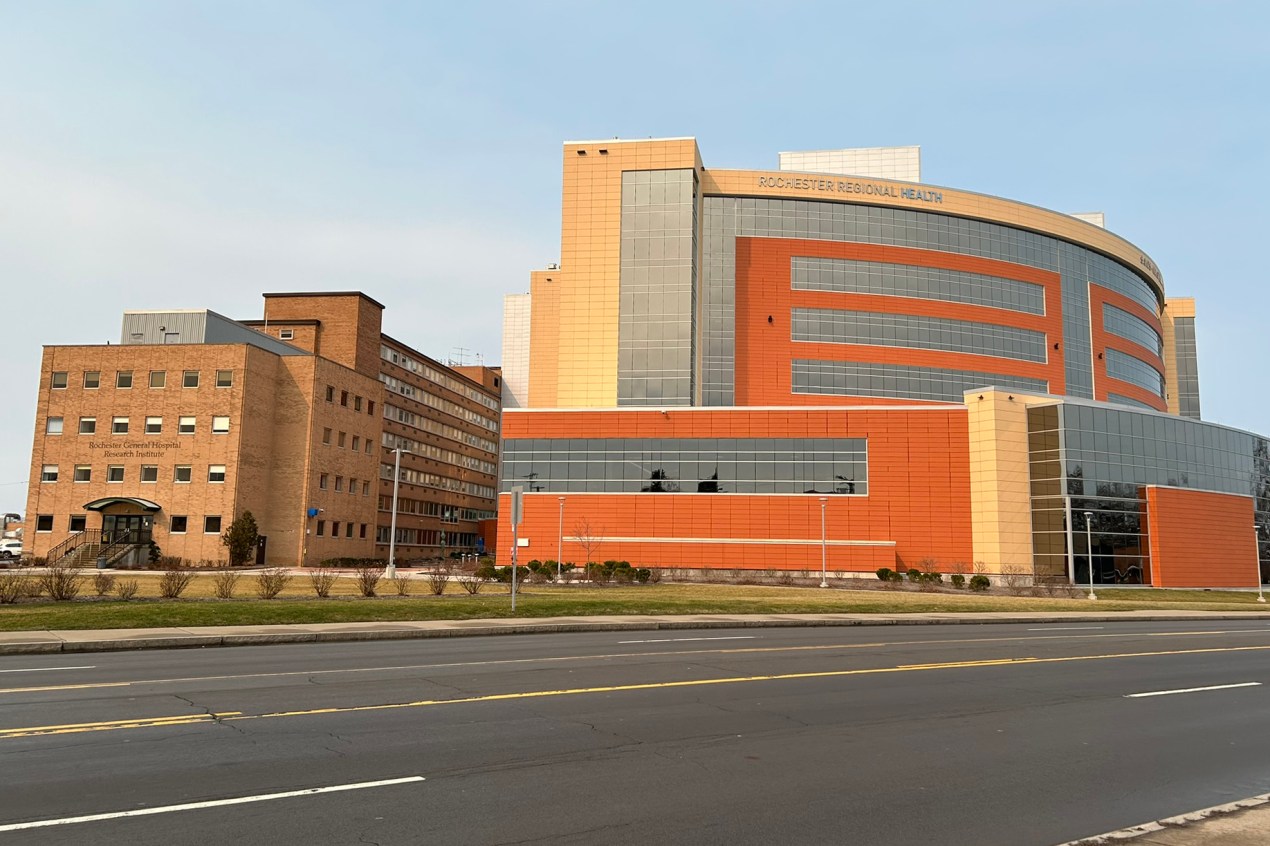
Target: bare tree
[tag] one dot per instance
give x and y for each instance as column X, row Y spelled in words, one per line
column 589, row 538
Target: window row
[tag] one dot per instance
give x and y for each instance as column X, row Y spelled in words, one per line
column 149, row 473
column 178, row 524
column 849, row 378
column 822, row 325
column 1135, row 371
column 1117, row 321
column 436, row 427
column 433, row 375
column 342, row 440
column 432, row 480
column 357, row 401
column 124, row 378
column 426, row 537
column 440, row 403
column 324, row 484
column 436, row 453
column 426, row 508
column 185, row 425
column 335, row 528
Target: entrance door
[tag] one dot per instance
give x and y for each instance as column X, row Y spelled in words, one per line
column 126, row 528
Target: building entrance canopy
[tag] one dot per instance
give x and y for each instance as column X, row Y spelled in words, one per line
column 105, row 502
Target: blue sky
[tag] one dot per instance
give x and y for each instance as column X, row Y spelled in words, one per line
column 188, row 155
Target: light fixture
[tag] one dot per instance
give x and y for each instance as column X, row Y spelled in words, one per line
column 769, row 318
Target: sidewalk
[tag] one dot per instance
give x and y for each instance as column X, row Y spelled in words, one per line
column 106, row 640
column 1243, row 823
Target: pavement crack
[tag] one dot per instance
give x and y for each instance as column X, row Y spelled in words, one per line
column 216, row 718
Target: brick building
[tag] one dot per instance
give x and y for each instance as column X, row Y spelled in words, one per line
column 194, row 418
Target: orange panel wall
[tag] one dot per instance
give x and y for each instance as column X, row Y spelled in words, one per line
column 1201, row 539
column 1104, row 340
column 765, row 350
column 918, row 499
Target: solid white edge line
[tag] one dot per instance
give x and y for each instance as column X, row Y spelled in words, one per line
column 688, row 639
column 214, row 803
column 47, row 669
column 1190, row 690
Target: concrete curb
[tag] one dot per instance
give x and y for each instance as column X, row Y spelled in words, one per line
column 490, row 628
column 1192, row 819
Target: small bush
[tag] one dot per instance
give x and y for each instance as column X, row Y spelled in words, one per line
column 126, row 589
column 979, row 583
column 958, row 581
column 486, row 572
column 884, row 574
column 914, row 575
column 437, row 580
column 62, row 582
column 643, row 575
column 933, row 578
column 271, row 582
column 224, row 582
column 322, row 580
column 368, row 577
column 401, row 583
column 13, row 586
column 174, row 582
column 654, row 575
column 472, row 583
column 103, row 582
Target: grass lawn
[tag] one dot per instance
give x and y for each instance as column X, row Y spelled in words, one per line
column 297, row 604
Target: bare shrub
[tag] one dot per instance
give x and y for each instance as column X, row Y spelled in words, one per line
column 401, row 583
column 471, row 583
column 590, row 538
column 784, row 577
column 62, row 582
column 271, row 582
column 322, row 580
column 13, row 586
column 654, row 575
column 103, row 582
column 126, row 589
column 224, row 582
column 174, row 582
column 959, row 568
column 367, row 578
column 1014, row 579
column 437, row 580
column 980, row 568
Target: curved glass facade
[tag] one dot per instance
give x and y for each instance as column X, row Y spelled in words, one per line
column 831, row 326
column 851, row 379
column 1119, row 322
column 724, row 219
column 1135, row 371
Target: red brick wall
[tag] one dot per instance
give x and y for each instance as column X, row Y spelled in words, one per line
column 1201, row 539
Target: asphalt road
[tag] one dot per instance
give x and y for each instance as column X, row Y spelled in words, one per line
column 895, row 735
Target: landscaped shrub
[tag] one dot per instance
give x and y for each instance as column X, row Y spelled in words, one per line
column 933, row 578
column 349, row 563
column 958, row 581
column 437, row 580
column 62, row 582
column 13, row 586
column 103, row 582
column 654, row 575
column 368, row 577
column 884, row 574
column 223, row 584
column 401, row 583
column 486, row 572
column 914, row 575
column 174, row 582
column 271, row 582
column 504, row 574
column 126, row 589
column 979, row 583
column 472, row 583
column 642, row 575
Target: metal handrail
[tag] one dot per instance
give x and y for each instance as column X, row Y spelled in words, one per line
column 72, row 543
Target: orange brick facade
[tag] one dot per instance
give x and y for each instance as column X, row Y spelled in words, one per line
column 1201, row 539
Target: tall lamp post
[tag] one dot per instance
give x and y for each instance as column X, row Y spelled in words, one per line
column 1256, row 550
column 391, row 569
column 1089, row 549
column 824, row 546
column 560, row 541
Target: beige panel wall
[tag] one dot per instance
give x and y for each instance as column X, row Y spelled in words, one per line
column 590, row 251
column 1001, row 513
column 544, row 343
column 1174, row 307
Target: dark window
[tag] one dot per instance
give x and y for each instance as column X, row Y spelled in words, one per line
column 59, row 379
column 44, row 523
column 211, row 524
column 335, row 528
column 92, row 378
column 189, row 379
column 348, row 530
column 330, row 393
column 87, row 425
column 363, row 531
column 286, row 334
column 79, row 522
column 224, row 378
column 158, row 378
column 321, row 528
column 357, row 403
column 179, row 523
column 370, row 406
column 343, row 397
column 123, row 379
column 326, row 436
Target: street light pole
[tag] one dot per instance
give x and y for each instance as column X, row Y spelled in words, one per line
column 1256, row 552
column 1089, row 549
column 824, row 546
column 560, row 541
column 391, row 569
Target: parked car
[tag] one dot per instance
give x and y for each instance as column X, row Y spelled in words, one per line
column 10, row 549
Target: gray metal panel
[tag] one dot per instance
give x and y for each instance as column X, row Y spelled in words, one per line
column 222, row 330
column 158, row 327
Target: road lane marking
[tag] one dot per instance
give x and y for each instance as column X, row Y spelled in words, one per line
column 214, row 803
column 550, row 659
column 110, row 725
column 1066, row 628
column 686, row 639
column 1190, row 690
column 47, row 669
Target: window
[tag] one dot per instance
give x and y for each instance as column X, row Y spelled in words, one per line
column 322, row 481
column 189, row 379
column 92, row 378
column 171, row 337
column 352, row 486
column 44, row 522
column 119, row 425
column 365, row 488
column 330, row 393
column 342, row 434
column 211, row 524
column 339, row 484
column 123, row 379
column 348, row 530
column 182, row 473
column 88, row 425
column 335, row 528
column 114, row 473
column 357, row 443
column 370, row 407
column 344, row 398
column 158, row 378
column 326, row 436
column 185, row 425
column 286, row 334
column 362, row 533
column 220, row 425
column 149, row 472
column 224, row 378
column 58, row 380
column 48, row 473
column 53, row 426
column 357, row 403
column 79, row 522
column 83, row 473
column 368, row 443
column 321, row 528
column 216, row 472
column 154, row 425
column 178, row 524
